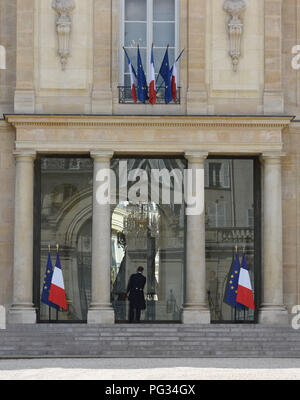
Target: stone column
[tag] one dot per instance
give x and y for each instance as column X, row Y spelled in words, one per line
column 195, row 309
column 100, row 310
column 272, row 309
column 22, row 310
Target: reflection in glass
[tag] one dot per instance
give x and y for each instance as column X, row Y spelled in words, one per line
column 151, row 235
column 135, row 10
column 229, row 214
column 164, row 10
column 135, row 34
column 148, row 233
column 164, row 34
column 66, row 215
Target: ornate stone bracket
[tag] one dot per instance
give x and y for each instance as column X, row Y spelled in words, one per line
column 235, row 26
column 64, row 9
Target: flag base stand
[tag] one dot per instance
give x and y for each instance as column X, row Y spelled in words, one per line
column 22, row 315
column 272, row 314
column 200, row 315
column 101, row 315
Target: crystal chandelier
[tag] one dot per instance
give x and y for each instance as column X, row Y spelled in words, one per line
column 142, row 218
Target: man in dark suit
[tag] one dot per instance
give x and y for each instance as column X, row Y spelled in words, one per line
column 135, row 293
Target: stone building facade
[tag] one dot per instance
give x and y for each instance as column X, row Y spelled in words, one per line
column 65, row 118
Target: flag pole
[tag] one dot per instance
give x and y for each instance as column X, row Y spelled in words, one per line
column 159, row 70
column 49, row 248
column 179, row 55
column 125, row 52
column 172, row 67
column 57, row 248
column 236, row 250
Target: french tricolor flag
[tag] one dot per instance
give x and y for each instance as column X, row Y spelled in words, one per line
column 133, row 81
column 244, row 291
column 57, row 293
column 152, row 88
column 133, row 77
column 174, row 79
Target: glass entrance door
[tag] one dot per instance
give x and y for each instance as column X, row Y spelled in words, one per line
column 149, row 234
column 232, row 219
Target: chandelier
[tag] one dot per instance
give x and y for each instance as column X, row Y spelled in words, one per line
column 142, row 219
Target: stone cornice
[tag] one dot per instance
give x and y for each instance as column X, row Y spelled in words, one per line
column 111, row 122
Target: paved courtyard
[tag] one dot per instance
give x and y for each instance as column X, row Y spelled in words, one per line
column 151, row 368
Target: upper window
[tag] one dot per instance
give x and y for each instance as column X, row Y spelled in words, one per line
column 144, row 22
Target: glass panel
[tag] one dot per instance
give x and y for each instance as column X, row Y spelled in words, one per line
column 149, row 234
column 135, row 34
column 66, row 215
column 127, row 81
column 164, row 34
column 164, row 10
column 229, row 195
column 135, row 10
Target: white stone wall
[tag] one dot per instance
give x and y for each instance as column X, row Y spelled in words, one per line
column 241, row 89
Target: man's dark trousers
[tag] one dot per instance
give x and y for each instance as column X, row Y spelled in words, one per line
column 134, row 312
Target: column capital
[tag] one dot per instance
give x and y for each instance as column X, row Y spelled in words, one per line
column 102, row 155
column 196, row 156
column 273, row 157
column 25, row 155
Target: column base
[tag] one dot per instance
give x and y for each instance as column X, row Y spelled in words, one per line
column 199, row 315
column 277, row 315
column 101, row 315
column 22, row 315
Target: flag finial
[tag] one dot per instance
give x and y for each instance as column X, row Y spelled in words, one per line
column 57, row 247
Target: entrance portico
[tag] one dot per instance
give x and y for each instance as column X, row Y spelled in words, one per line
column 101, row 137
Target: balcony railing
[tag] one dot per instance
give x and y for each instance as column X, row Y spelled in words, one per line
column 229, row 236
column 125, row 96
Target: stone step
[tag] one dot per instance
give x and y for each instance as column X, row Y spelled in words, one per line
column 167, row 340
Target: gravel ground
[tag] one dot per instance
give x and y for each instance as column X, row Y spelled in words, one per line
column 150, row 368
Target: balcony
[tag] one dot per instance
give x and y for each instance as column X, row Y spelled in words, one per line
column 125, row 96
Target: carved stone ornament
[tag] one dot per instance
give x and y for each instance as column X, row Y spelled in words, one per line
column 64, row 9
column 235, row 9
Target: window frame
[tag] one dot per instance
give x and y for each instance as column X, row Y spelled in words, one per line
column 257, row 207
column 37, row 231
column 149, row 37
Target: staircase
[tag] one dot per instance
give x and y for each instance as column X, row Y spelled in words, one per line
column 148, row 340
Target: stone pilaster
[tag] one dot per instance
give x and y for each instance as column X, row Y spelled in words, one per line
column 273, row 92
column 197, row 91
column 22, row 310
column 100, row 310
column 272, row 309
column 24, row 94
column 195, row 309
column 102, row 90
